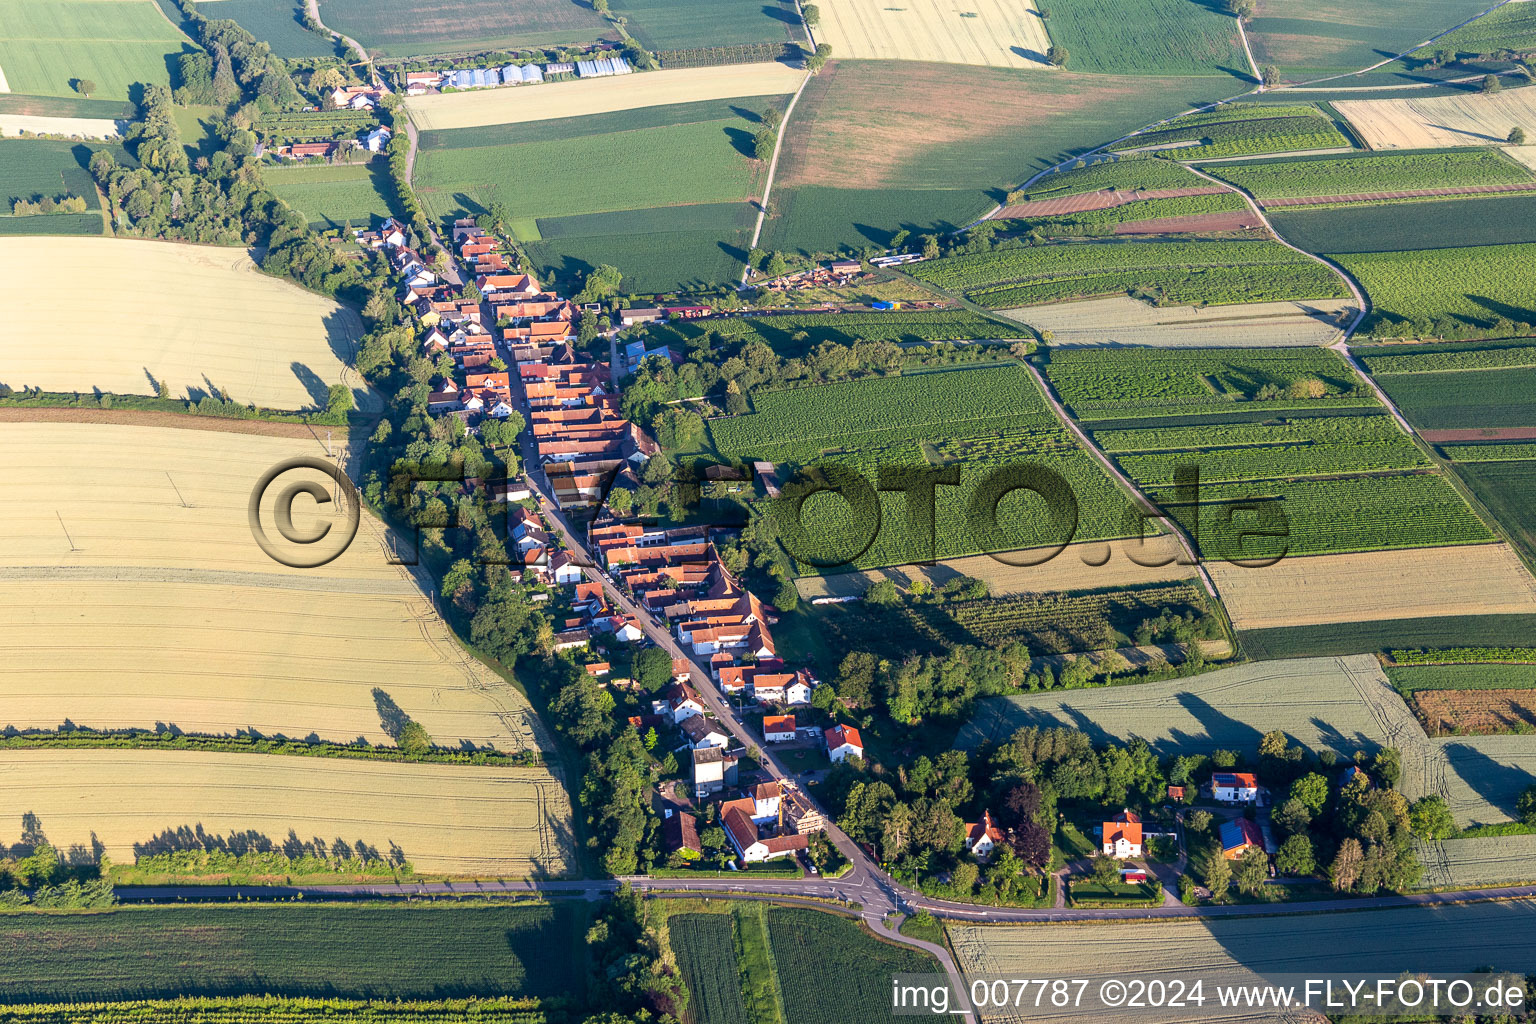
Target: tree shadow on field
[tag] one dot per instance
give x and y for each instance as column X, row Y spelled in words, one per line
column 1028, row 54
column 392, row 718
column 1504, row 309
column 742, row 141
column 196, row 839
column 1329, row 737
column 319, row 392
column 1498, row 784
column 773, row 12
column 745, row 113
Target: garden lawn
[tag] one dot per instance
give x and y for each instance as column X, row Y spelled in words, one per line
column 1445, row 290
column 46, row 47
column 1147, row 37
column 369, row 951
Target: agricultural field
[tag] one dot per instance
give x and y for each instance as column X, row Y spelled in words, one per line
column 1367, row 636
column 1130, row 384
column 1242, row 130
column 152, row 569
column 1467, row 119
column 399, row 951
column 34, row 168
column 1342, row 704
column 1078, row 567
column 556, row 100
column 879, row 146
column 978, row 419
column 269, row 342
column 83, row 127
column 397, row 28
column 1308, row 39
column 1180, row 273
column 276, row 1010
column 1146, row 37
column 1466, row 863
column 453, row 820
column 1324, row 177
column 1512, row 26
column 992, row 33
column 276, row 23
column 830, row 968
column 1126, row 173
column 1475, row 712
column 1460, row 391
column 1376, row 586
column 1427, row 224
column 1505, row 489
column 781, row 332
column 690, row 24
column 688, row 223
column 1214, row 210
column 46, row 47
column 1435, row 292
column 1122, row 320
column 1521, row 451
column 333, row 196
column 1484, row 776
column 706, row 955
column 1467, row 937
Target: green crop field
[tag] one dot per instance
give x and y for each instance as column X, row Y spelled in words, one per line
column 1321, row 703
column 276, row 23
column 354, row 194
column 1100, row 221
column 1505, row 489
column 1244, row 129
column 1130, row 172
column 1512, row 27
column 1487, row 355
column 1465, row 398
column 657, row 250
column 1156, row 37
column 1179, row 272
column 1484, row 220
column 1374, row 172
column 978, row 419
column 360, row 951
column 1474, row 289
column 686, row 24
column 782, row 333
column 1324, row 516
column 66, row 106
column 860, row 159
column 1409, row 679
column 46, row 47
column 1519, row 451
column 1361, row 637
column 1129, row 384
column 1311, row 38
column 832, row 969
column 558, row 129
column 33, row 168
column 399, row 28
column 706, row 953
column 1249, row 451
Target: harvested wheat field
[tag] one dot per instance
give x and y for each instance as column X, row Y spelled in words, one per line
column 1475, row 712
column 1474, row 579
column 600, row 95
column 1466, row 937
column 85, row 127
column 137, row 313
column 1122, row 320
column 992, row 33
column 1465, row 863
column 1474, row 119
column 133, row 592
column 1481, row 777
column 1525, row 154
column 447, row 819
column 1078, row 567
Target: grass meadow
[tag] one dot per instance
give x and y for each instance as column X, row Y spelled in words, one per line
column 400, row 28
column 46, row 47
column 1147, row 37
column 364, row 951
column 354, row 194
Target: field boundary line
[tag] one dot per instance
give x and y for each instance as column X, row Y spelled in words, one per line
column 773, row 167
column 1253, row 65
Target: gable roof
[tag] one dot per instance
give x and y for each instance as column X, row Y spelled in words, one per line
column 778, row 723
column 840, row 734
column 985, row 827
column 1239, row 833
column 1235, row 780
column 681, row 832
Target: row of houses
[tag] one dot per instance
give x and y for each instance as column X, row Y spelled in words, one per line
column 419, row 82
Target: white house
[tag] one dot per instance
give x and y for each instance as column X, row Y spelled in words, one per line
column 562, row 565
column 678, row 701
column 392, row 232
column 843, row 742
column 982, row 837
column 766, row 797
column 704, row 732
column 1234, row 787
column 779, row 728
column 1122, row 836
column 798, row 692
column 375, row 140
column 736, row 817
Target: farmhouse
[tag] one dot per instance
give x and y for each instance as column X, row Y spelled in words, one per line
column 767, row 798
column 982, row 837
column 779, row 728
column 843, row 742
column 736, row 816
column 1234, row 787
column 1122, row 836
column 639, row 315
